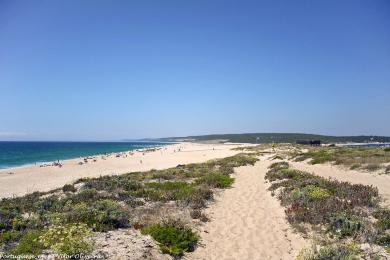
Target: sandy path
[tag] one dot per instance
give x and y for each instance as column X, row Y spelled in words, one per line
column 34, row 178
column 247, row 222
column 382, row 182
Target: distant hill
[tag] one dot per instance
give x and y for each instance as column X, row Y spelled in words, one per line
column 276, row 138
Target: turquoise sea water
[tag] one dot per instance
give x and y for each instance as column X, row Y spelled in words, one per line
column 13, row 154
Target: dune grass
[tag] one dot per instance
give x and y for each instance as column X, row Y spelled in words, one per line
column 112, row 202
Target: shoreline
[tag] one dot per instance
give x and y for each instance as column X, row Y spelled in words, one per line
column 39, row 163
column 28, row 179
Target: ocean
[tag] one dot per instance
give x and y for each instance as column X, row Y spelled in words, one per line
column 14, row 154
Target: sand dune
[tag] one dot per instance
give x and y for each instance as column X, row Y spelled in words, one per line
column 247, row 222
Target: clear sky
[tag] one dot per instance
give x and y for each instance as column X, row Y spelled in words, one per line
column 109, row 70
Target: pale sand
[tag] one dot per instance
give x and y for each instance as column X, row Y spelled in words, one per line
column 247, row 222
column 382, row 182
column 25, row 180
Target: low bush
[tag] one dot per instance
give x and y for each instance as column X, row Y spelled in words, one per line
column 102, row 215
column 9, row 236
column 345, row 225
column 166, row 191
column 69, row 188
column 29, row 244
column 279, row 165
column 216, row 180
column 198, row 214
column 383, row 218
column 174, row 238
column 384, row 241
column 355, row 166
column 330, row 252
column 87, row 195
column 198, row 199
column 70, row 239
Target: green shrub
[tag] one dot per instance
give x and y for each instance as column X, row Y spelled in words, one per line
column 216, row 180
column 87, row 195
column 199, row 197
column 26, row 222
column 384, row 240
column 68, row 239
column 279, row 165
column 69, row 188
column 51, row 203
column 173, row 238
column 9, row 236
column 386, row 149
column 314, row 192
column 165, row 191
column 355, row 166
column 383, row 217
column 29, row 244
column 103, row 215
column 331, row 252
column 345, row 225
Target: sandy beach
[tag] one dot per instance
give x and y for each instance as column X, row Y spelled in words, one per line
column 246, row 221
column 23, row 180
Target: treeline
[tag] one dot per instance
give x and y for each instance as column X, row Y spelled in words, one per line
column 279, row 138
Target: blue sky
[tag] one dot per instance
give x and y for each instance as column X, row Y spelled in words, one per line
column 108, row 70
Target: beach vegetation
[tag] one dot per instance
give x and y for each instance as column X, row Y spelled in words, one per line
column 279, row 165
column 198, row 214
column 338, row 211
column 69, row 188
column 106, row 203
column 70, row 239
column 29, row 244
column 216, row 180
column 174, row 237
column 383, row 218
column 364, row 158
column 348, row 251
column 344, row 224
column 102, row 215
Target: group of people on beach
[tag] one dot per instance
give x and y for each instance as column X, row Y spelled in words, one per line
column 89, row 159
